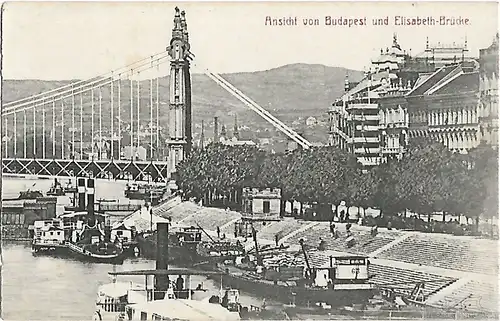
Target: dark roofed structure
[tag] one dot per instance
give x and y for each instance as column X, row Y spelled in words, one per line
column 432, row 80
column 468, row 82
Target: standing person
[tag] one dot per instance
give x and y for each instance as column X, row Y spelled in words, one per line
column 276, row 239
column 332, row 229
column 218, row 232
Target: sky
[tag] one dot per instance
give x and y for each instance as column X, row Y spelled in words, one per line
column 57, row 41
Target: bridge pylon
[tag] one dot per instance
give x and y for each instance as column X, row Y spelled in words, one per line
column 180, row 132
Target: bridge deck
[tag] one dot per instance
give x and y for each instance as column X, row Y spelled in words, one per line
column 155, row 171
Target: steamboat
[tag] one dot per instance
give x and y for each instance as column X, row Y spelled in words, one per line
column 287, row 279
column 57, row 189
column 28, row 194
column 148, row 192
column 163, row 299
column 85, row 235
column 186, row 246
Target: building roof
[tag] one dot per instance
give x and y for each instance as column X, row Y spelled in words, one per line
column 432, row 80
column 463, row 83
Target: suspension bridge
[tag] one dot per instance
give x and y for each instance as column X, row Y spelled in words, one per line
column 109, row 126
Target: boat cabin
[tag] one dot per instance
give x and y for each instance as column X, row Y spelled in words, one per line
column 187, row 235
column 47, row 233
column 121, row 232
column 180, row 310
column 344, row 272
column 179, row 301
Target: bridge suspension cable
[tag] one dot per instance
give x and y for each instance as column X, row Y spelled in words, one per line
column 71, row 90
column 258, row 109
column 141, row 62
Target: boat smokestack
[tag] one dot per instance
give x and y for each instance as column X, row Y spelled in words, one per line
column 90, row 199
column 81, row 194
column 162, row 281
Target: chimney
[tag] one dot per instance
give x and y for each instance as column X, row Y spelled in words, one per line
column 216, row 129
column 223, row 131
column 81, row 194
column 236, row 134
column 161, row 282
column 90, row 199
column 202, row 136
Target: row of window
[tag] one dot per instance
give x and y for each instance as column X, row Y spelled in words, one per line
column 445, row 117
column 394, row 116
column 13, row 219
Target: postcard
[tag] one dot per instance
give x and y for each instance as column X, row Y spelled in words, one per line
column 249, row 160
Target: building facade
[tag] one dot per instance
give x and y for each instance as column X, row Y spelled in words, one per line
column 488, row 94
column 261, row 203
column 443, row 106
column 369, row 119
column 441, row 93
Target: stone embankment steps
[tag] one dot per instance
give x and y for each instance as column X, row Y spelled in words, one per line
column 388, row 251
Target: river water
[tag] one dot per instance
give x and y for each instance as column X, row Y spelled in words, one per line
column 49, row 288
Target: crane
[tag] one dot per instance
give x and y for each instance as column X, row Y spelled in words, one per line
column 306, row 258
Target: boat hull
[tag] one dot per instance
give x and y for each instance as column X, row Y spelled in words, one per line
column 58, row 250
column 176, row 254
column 299, row 295
column 87, row 256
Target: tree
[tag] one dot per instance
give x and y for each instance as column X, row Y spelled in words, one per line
column 483, row 175
column 389, row 192
column 431, row 173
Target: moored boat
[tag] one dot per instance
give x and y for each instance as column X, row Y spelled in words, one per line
column 186, row 246
column 97, row 252
column 85, row 234
column 287, row 279
column 26, row 195
column 163, row 298
column 92, row 242
column 147, row 192
column 56, row 189
column 48, row 237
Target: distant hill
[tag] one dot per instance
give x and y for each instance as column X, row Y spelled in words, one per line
column 289, row 92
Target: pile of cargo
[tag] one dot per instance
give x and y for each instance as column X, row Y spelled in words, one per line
column 284, row 267
column 284, row 260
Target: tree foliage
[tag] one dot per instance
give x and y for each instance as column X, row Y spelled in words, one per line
column 429, row 178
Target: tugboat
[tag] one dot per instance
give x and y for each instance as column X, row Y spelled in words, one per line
column 84, row 234
column 163, row 298
column 93, row 241
column 56, row 189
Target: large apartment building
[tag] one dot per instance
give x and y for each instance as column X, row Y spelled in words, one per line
column 441, row 93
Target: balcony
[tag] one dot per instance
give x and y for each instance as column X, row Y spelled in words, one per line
column 364, row 117
column 367, row 128
column 365, row 139
column 352, row 106
column 392, row 150
column 370, row 150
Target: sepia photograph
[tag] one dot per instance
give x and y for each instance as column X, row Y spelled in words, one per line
column 249, row 161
